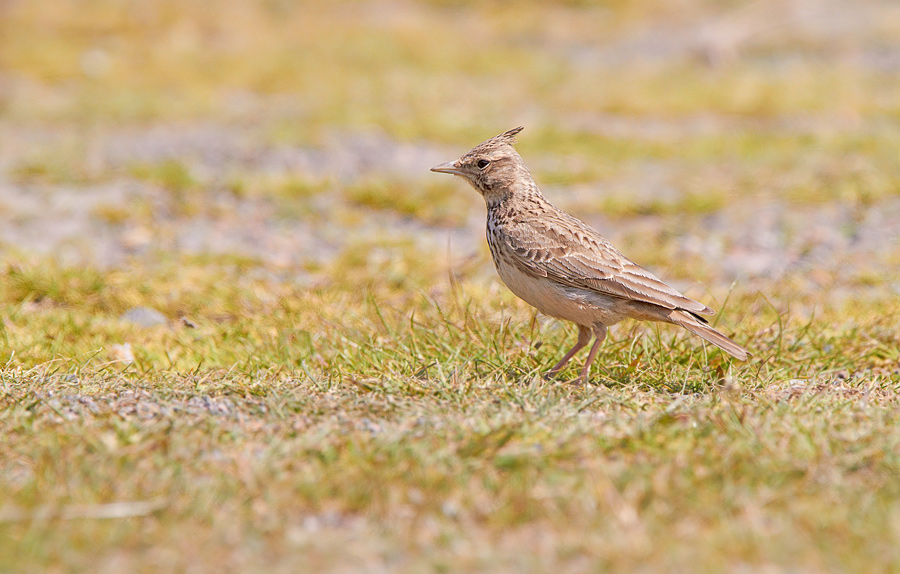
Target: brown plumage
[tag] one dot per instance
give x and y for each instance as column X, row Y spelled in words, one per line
column 563, row 267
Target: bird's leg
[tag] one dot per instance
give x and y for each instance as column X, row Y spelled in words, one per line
column 600, row 333
column 584, row 335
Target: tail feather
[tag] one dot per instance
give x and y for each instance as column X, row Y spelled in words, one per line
column 698, row 326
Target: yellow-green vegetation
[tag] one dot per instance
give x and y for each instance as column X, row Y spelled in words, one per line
column 433, row 203
column 171, row 59
column 406, row 424
column 171, row 175
column 49, row 170
column 694, row 203
column 340, row 383
column 175, row 178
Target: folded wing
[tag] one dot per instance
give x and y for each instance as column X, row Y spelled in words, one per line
column 566, row 250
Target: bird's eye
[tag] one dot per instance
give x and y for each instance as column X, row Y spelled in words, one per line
column 482, row 163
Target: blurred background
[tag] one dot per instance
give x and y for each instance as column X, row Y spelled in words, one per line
column 242, row 326
column 714, row 141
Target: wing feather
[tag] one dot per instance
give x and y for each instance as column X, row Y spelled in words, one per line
column 566, row 250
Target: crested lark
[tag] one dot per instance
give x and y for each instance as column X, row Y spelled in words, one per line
column 563, row 267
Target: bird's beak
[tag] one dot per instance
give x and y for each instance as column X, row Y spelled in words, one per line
column 450, row 167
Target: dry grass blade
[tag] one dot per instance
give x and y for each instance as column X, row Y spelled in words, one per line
column 111, row 510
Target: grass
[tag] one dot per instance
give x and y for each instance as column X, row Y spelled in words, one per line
column 431, row 204
column 621, row 478
column 375, row 403
column 410, row 428
column 405, row 67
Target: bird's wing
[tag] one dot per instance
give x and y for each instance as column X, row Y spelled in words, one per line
column 569, row 252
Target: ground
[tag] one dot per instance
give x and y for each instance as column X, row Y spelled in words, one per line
column 243, row 327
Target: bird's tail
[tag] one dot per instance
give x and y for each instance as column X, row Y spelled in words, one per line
column 698, row 326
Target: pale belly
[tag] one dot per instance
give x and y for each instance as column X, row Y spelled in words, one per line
column 571, row 304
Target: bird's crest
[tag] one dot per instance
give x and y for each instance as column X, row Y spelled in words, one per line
column 506, row 138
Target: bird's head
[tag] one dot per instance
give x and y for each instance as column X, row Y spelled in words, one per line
column 494, row 168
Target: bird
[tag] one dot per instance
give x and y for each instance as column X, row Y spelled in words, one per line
column 563, row 267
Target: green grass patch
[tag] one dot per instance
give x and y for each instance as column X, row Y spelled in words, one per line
column 392, row 415
column 431, row 203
